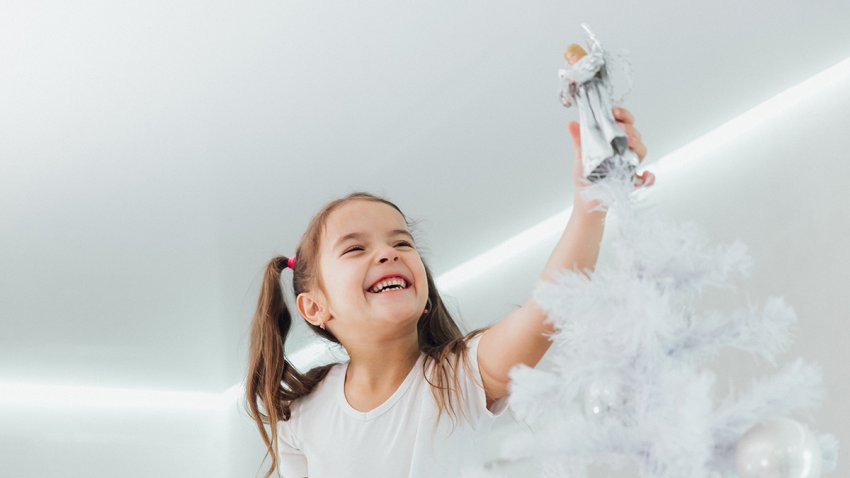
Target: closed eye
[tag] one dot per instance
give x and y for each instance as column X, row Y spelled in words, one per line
column 354, row 248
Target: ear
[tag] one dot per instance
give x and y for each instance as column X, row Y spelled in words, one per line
column 312, row 307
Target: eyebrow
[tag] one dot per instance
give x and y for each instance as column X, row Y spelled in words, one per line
column 359, row 235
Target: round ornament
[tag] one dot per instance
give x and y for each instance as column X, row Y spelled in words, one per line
column 778, row 448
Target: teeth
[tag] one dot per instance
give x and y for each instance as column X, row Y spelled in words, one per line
column 389, row 282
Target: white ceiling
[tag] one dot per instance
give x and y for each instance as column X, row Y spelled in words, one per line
column 155, row 155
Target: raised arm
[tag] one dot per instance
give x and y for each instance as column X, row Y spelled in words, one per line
column 519, row 337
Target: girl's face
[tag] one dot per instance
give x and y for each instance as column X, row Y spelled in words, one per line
column 363, row 242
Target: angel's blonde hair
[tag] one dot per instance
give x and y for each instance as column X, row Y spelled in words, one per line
column 576, row 50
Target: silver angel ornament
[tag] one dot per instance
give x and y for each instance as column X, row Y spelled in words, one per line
column 585, row 83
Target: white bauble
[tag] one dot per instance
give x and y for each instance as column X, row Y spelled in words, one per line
column 778, row 448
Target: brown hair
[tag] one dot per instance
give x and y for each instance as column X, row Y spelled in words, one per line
column 274, row 384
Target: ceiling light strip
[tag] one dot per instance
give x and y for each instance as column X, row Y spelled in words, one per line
column 26, row 395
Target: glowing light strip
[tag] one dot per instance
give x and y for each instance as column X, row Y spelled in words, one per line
column 755, row 117
column 26, row 395
column 495, row 257
column 674, row 162
column 309, row 354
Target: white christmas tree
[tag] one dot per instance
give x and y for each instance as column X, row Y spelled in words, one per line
column 629, row 381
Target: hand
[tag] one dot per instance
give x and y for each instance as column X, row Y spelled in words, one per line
column 626, row 121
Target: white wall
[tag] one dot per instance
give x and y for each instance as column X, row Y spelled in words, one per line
column 42, row 441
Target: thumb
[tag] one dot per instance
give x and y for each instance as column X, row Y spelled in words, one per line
column 575, row 132
column 578, row 168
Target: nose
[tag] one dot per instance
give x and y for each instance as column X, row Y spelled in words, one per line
column 388, row 254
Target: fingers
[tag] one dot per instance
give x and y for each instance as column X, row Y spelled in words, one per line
column 644, row 179
column 638, row 147
column 623, row 115
column 575, row 132
column 631, row 131
column 626, row 121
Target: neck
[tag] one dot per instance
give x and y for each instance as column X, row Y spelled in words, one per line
column 384, row 364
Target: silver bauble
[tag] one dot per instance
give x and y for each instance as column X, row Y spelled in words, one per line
column 778, row 448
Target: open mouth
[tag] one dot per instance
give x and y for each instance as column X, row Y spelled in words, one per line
column 390, row 291
column 390, row 286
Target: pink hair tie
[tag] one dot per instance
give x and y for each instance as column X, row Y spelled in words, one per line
column 291, row 263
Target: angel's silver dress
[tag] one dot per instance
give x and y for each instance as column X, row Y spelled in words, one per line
column 603, row 141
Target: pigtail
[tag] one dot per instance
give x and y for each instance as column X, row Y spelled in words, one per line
column 272, row 383
column 267, row 365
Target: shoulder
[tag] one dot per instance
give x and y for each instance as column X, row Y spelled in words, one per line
column 492, row 407
column 471, row 365
column 471, row 342
column 321, row 394
column 305, row 410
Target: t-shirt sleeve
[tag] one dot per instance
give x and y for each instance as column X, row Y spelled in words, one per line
column 476, row 397
column 291, row 460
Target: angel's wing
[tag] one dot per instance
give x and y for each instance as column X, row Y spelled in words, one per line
column 609, row 65
column 592, row 41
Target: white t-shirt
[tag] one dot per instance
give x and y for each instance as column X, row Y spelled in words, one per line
column 326, row 438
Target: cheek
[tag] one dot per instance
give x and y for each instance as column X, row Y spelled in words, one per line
column 421, row 277
column 352, row 283
column 346, row 281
